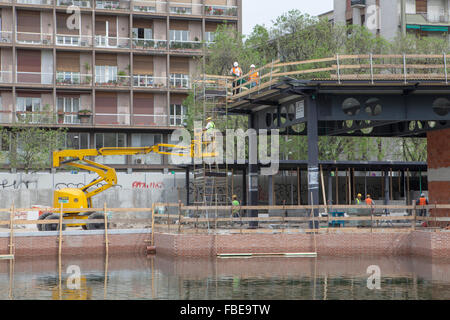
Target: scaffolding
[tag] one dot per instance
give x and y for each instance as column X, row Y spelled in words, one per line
column 211, row 96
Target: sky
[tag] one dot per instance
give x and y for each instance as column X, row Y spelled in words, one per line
column 264, row 11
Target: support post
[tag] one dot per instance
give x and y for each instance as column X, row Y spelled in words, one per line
column 253, row 171
column 105, row 217
column 299, row 186
column 413, row 222
column 11, row 229
column 187, row 187
column 330, row 187
column 313, row 155
column 386, row 188
column 270, row 191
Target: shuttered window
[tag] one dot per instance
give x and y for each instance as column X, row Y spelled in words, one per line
column 28, row 61
column 29, row 21
column 179, row 65
column 143, row 65
column 421, row 6
column 68, row 61
column 143, row 103
column 106, row 102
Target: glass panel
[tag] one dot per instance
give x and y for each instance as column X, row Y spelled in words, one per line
column 28, row 105
column 110, row 140
column 98, row 140
column 75, row 104
column 84, row 140
column 67, row 105
column 60, row 104
column 121, row 140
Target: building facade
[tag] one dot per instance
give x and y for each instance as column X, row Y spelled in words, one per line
column 390, row 17
column 115, row 73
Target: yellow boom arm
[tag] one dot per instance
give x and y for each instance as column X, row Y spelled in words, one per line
column 108, row 174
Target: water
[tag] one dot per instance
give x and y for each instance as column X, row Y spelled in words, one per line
column 160, row 277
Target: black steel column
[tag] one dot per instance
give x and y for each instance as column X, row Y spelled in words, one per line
column 313, row 155
column 386, row 188
column 244, row 187
column 187, row 186
column 252, row 171
column 330, row 186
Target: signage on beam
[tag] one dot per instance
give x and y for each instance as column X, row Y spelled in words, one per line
column 300, row 109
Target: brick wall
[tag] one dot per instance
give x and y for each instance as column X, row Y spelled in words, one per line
column 439, row 169
column 421, row 243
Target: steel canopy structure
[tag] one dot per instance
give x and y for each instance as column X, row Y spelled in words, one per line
column 331, row 107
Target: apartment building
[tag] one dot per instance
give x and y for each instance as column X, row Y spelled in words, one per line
column 389, row 17
column 115, row 73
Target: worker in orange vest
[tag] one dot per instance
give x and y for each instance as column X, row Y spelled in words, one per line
column 369, row 200
column 422, row 201
column 253, row 77
column 236, row 71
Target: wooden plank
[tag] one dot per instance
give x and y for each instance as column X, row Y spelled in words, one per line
column 286, row 64
column 6, row 257
column 291, row 73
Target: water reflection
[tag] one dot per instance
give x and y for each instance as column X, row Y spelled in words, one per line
column 160, row 277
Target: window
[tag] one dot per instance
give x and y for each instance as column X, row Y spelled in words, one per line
column 70, row 107
column 77, row 140
column 28, row 105
column 178, row 114
column 146, row 140
column 105, row 74
column 142, row 33
column 114, row 140
column 178, row 80
column 210, row 36
column 179, row 35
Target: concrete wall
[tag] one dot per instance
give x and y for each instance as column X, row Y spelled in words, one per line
column 389, row 18
column 339, row 11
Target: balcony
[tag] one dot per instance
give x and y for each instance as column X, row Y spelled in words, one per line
column 5, row 36
column 221, row 11
column 186, row 9
column 149, row 81
column 185, row 45
column 358, row 3
column 428, row 18
column 159, row 120
column 36, row 117
column 116, row 119
column 112, row 42
column 77, row 3
column 36, row 2
column 112, row 5
column 34, row 38
column 150, row 6
column 73, row 41
column 149, row 44
column 5, row 77
column 34, row 78
column 73, row 78
column 179, row 81
column 117, row 81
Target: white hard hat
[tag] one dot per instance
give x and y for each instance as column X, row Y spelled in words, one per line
column 236, row 64
column 252, row 66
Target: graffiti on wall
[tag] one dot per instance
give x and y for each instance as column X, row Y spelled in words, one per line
column 19, row 184
column 150, row 185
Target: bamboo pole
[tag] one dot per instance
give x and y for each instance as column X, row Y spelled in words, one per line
column 337, row 185
column 353, row 183
column 11, row 229
column 152, row 239
column 391, row 197
column 413, row 221
column 299, row 184
column 60, row 229
column 105, row 217
column 105, row 283
column 11, row 278
column 179, row 216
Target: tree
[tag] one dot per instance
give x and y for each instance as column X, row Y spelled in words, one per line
column 31, row 146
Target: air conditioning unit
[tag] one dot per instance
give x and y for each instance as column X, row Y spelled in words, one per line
column 138, row 161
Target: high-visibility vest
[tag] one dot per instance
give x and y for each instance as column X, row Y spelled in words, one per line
column 422, row 201
column 358, row 201
column 254, row 77
column 369, row 201
column 237, row 71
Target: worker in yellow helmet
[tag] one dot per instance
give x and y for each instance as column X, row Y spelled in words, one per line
column 358, row 199
column 210, row 125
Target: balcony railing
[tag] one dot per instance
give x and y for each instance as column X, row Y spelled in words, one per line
column 119, row 81
column 73, row 40
column 180, row 83
column 185, row 45
column 73, row 78
column 37, row 117
column 221, row 11
column 150, row 120
column 186, row 8
column 36, row 2
column 147, row 44
column 5, row 36
column 112, row 5
column 149, row 81
column 117, row 119
column 112, row 42
column 77, row 3
column 34, row 77
column 150, row 6
column 34, row 38
column 432, row 17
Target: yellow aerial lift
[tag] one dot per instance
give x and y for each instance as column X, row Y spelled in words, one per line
column 81, row 198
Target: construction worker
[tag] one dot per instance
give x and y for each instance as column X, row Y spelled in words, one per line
column 235, row 203
column 253, row 77
column 358, row 199
column 210, row 125
column 369, row 200
column 236, row 71
column 422, row 201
